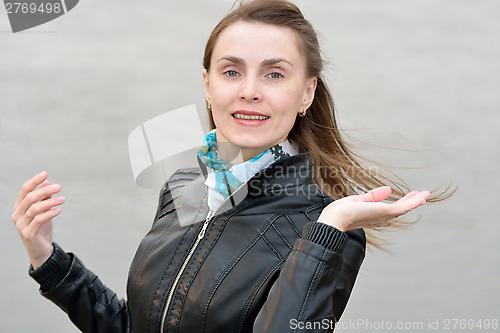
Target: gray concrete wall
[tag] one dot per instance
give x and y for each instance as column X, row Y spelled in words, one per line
column 420, row 78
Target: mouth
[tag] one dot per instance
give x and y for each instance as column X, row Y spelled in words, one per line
column 246, row 117
column 249, row 115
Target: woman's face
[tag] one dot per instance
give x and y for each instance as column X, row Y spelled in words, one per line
column 257, row 84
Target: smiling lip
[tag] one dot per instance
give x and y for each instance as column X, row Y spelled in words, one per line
column 250, row 113
column 249, row 122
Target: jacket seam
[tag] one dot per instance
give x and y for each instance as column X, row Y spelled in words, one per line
column 168, row 188
column 313, row 207
column 256, row 290
column 162, row 278
column 170, row 211
column 269, row 190
column 312, row 285
column 104, row 306
column 171, row 187
column 153, row 243
column 91, row 284
column 272, row 247
column 197, row 269
column 293, row 225
column 172, row 302
column 282, row 237
column 260, row 234
column 103, row 290
column 230, row 267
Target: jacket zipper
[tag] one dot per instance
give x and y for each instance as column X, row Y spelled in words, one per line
column 200, row 236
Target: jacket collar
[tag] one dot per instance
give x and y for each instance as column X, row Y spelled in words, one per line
column 295, row 170
column 280, row 178
column 288, row 172
column 291, row 169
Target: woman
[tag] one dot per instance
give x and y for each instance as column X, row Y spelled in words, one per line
column 252, row 240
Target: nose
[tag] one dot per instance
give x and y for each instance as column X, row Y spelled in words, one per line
column 250, row 89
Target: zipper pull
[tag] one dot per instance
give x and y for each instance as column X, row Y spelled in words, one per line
column 205, row 224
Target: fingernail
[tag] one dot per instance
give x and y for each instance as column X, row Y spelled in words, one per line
column 43, row 173
column 55, row 186
column 61, row 199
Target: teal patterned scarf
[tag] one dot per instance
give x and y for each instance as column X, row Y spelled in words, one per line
column 228, row 177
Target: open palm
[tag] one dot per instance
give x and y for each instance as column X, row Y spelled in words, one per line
column 366, row 210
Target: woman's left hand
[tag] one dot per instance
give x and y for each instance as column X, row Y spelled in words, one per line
column 365, row 211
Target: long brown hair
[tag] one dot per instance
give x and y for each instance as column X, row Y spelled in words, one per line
column 336, row 166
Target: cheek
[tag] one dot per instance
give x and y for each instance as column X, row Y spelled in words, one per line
column 221, row 95
column 221, row 85
column 289, row 101
column 292, row 96
column 217, row 113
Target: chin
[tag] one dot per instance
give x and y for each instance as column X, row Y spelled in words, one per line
column 246, row 139
column 243, row 143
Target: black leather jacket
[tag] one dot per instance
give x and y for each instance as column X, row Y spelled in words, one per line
column 260, row 264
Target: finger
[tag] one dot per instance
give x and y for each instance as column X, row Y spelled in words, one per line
column 426, row 195
column 402, row 207
column 44, row 205
column 47, row 216
column 38, row 221
column 377, row 194
column 36, row 196
column 44, row 184
column 421, row 196
column 408, row 196
column 29, row 186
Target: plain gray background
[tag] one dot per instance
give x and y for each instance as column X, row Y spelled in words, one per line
column 416, row 85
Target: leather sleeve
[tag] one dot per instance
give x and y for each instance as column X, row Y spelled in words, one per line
column 90, row 305
column 314, row 285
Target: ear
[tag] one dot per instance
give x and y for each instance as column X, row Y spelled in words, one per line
column 309, row 92
column 206, row 85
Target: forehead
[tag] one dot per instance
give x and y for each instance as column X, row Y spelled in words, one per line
column 251, row 40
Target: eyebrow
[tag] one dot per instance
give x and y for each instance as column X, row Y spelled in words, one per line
column 265, row 62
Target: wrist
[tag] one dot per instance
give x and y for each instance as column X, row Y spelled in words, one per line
column 53, row 270
column 325, row 235
column 332, row 222
column 39, row 261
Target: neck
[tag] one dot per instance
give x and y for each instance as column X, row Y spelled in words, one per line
column 232, row 153
column 249, row 153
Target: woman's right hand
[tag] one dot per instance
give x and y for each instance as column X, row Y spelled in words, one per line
column 33, row 213
column 366, row 210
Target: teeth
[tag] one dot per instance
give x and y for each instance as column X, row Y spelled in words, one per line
column 248, row 117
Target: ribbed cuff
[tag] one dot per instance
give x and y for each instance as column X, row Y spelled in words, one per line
column 53, row 271
column 325, row 235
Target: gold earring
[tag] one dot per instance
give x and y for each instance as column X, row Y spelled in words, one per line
column 302, row 113
column 209, row 106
